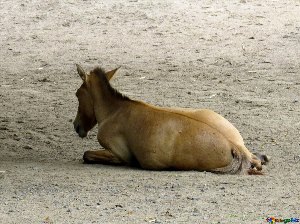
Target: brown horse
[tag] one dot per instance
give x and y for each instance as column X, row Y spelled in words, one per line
column 156, row 138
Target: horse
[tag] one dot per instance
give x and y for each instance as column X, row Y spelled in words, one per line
column 138, row 134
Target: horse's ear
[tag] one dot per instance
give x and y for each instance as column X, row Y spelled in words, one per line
column 81, row 72
column 111, row 73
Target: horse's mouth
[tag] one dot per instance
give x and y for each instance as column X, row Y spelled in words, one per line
column 82, row 134
column 80, row 131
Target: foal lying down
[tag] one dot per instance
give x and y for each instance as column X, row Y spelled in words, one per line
column 155, row 138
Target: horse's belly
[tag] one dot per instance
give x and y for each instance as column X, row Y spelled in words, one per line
column 204, row 150
column 189, row 147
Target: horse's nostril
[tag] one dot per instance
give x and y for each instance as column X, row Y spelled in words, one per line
column 77, row 128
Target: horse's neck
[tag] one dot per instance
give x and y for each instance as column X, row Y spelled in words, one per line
column 105, row 103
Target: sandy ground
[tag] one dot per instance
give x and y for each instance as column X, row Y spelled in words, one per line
column 239, row 58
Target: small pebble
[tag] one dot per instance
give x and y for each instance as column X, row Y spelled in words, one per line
column 2, row 173
column 27, row 147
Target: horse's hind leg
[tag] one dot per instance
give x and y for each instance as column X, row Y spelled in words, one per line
column 101, row 157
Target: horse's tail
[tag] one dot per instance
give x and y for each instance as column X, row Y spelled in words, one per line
column 243, row 162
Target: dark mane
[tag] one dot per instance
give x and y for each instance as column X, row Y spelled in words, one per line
column 99, row 72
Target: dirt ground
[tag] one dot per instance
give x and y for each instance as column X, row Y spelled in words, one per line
column 239, row 58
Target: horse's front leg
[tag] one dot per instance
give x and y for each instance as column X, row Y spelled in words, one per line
column 101, row 157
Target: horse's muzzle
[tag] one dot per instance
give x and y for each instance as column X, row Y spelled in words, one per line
column 80, row 131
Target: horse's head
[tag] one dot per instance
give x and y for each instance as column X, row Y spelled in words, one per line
column 85, row 119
